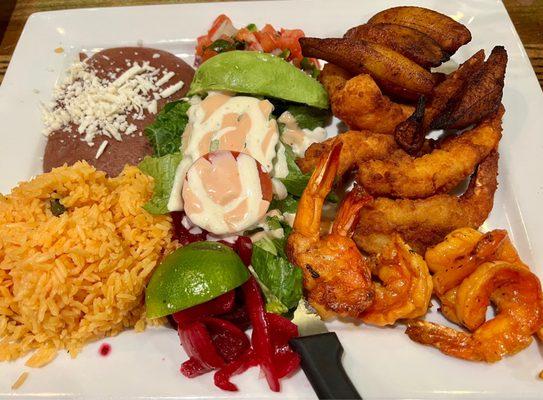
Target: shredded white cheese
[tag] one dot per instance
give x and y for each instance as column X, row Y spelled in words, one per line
column 171, row 89
column 99, row 107
column 101, row 149
column 165, row 78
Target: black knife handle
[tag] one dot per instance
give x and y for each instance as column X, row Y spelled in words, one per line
column 321, row 362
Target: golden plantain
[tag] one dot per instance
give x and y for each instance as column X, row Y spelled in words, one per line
column 449, row 92
column 410, row 134
column 395, row 74
column 483, row 92
column 448, row 33
column 413, row 44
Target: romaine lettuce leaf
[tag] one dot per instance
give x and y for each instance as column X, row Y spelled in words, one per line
column 296, row 180
column 288, row 205
column 165, row 133
column 279, row 243
column 309, row 117
column 162, row 169
column 281, row 281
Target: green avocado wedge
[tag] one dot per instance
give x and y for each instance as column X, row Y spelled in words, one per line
column 191, row 275
column 259, row 74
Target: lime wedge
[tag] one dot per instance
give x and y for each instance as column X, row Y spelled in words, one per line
column 192, row 275
column 258, row 74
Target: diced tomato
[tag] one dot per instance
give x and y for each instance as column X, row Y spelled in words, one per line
column 201, row 43
column 221, row 26
column 268, row 41
column 289, row 40
column 270, row 29
column 249, row 38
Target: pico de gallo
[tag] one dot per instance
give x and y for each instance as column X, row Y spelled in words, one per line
column 223, row 36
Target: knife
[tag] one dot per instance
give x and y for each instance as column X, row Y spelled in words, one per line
column 321, row 353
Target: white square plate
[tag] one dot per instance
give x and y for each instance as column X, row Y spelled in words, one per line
column 383, row 363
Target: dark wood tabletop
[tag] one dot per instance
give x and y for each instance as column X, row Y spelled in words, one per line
column 527, row 15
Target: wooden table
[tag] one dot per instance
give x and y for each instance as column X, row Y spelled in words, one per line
column 527, row 15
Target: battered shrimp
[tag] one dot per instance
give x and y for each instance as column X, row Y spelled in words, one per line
column 437, row 172
column 405, row 285
column 357, row 146
column 425, row 222
column 336, row 276
column 360, row 103
column 516, row 293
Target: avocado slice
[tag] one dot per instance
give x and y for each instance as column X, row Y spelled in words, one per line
column 259, row 74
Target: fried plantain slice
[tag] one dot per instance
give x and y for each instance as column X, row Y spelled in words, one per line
column 448, row 33
column 448, row 93
column 483, row 92
column 410, row 134
column 413, row 44
column 394, row 73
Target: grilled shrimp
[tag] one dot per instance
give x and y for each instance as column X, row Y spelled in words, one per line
column 462, row 251
column 405, row 285
column 336, row 276
column 454, row 273
column 516, row 293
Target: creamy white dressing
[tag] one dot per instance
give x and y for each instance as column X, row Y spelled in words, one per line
column 223, row 121
column 280, row 168
column 289, row 218
column 175, row 202
column 202, row 124
column 273, row 234
column 209, row 213
column 279, row 189
column 299, row 139
column 266, row 232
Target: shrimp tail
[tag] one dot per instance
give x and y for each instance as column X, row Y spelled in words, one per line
column 447, row 340
column 308, row 217
column 349, row 211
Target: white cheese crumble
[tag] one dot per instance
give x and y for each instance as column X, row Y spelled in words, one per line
column 165, row 78
column 101, row 149
column 171, row 89
column 100, row 107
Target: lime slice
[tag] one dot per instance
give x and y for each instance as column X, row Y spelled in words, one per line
column 258, row 74
column 192, row 275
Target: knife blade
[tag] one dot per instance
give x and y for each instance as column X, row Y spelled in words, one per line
column 321, row 353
